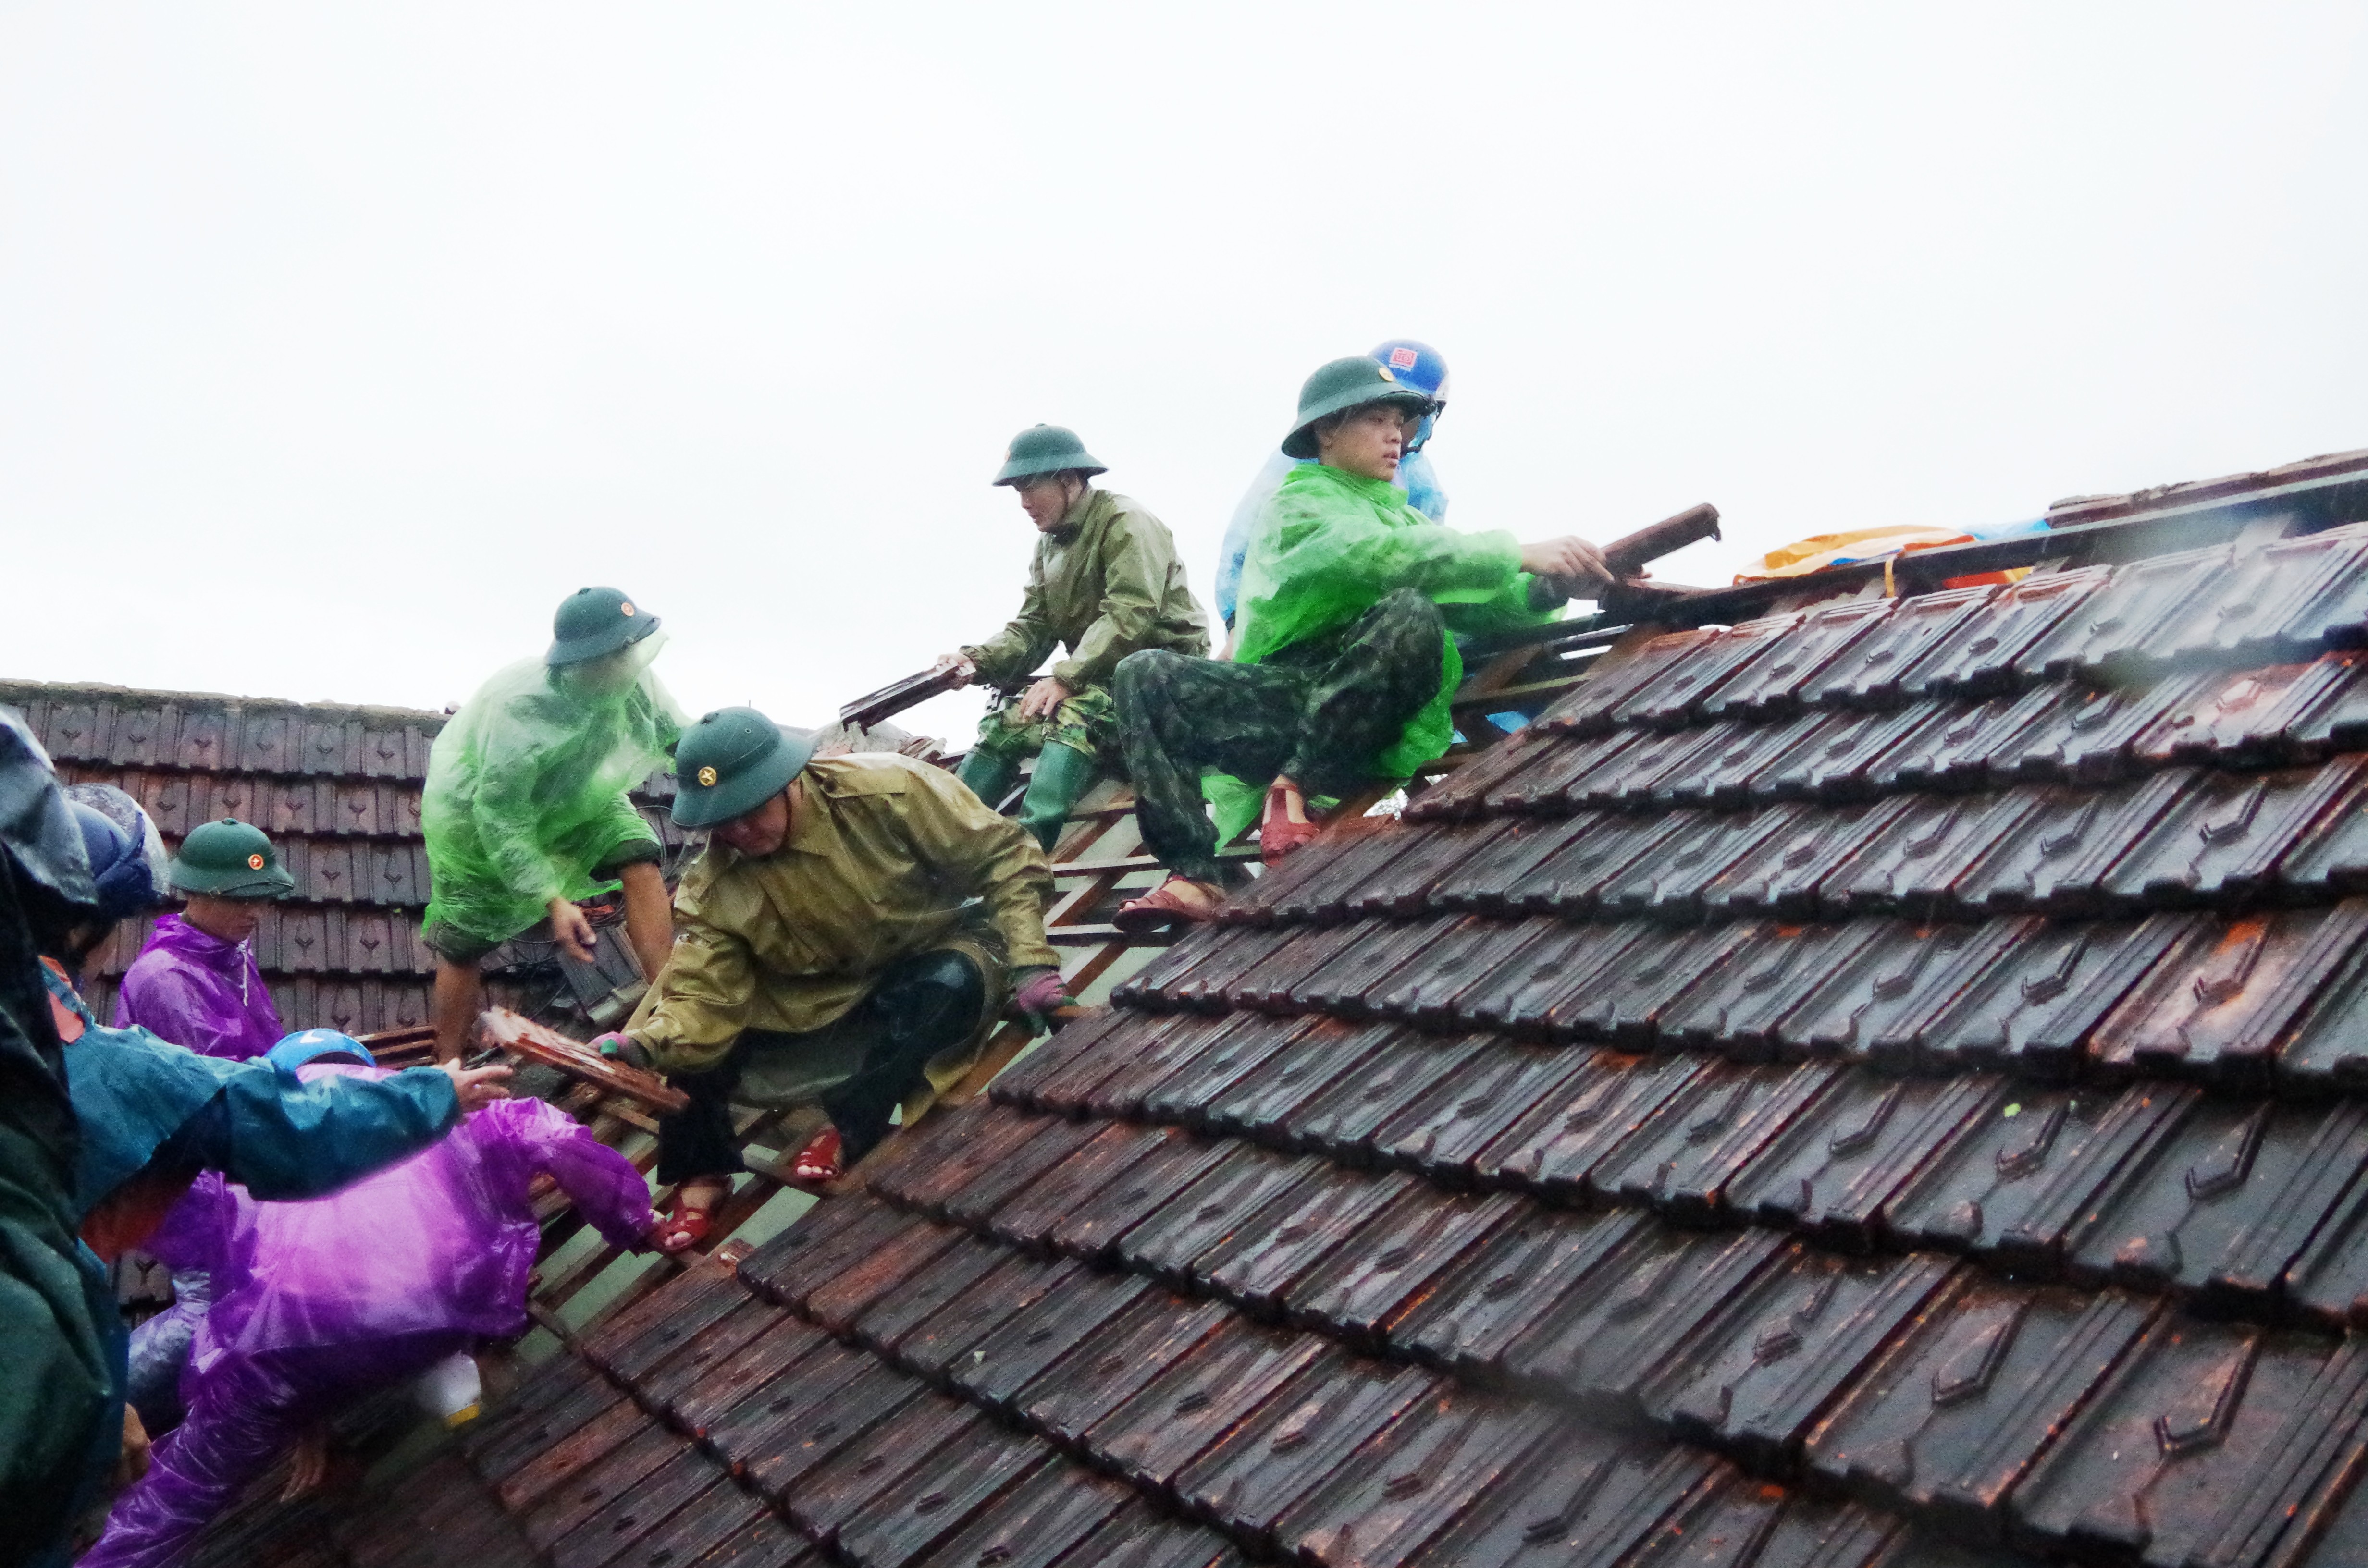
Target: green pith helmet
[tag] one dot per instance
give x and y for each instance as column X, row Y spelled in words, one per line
column 594, row 622
column 731, row 762
column 1046, row 449
column 1342, row 384
column 229, row 859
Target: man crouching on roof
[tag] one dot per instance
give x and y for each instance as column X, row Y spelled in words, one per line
column 855, row 924
column 1343, row 665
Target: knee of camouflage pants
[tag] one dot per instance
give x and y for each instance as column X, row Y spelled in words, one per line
column 1084, row 721
column 1385, row 670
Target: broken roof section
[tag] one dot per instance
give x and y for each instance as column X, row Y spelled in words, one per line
column 1878, row 1088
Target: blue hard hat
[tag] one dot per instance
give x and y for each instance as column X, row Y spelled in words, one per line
column 318, row 1045
column 1419, row 365
column 119, row 866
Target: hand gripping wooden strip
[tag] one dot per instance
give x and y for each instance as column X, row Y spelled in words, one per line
column 500, row 1027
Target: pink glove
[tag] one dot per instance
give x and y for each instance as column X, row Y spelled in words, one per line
column 1039, row 991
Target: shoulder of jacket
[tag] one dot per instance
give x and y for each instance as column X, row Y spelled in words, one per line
column 1134, row 516
column 865, row 772
column 707, row 869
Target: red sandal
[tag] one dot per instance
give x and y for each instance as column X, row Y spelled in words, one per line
column 686, row 1224
column 818, row 1164
column 1178, row 901
column 1285, row 822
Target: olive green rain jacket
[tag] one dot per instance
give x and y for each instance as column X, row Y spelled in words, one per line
column 1105, row 584
column 1327, row 546
column 886, row 855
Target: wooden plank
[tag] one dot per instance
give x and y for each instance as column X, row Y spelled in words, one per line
column 1092, row 936
column 1515, row 695
column 512, row 1033
column 1628, row 554
column 896, row 697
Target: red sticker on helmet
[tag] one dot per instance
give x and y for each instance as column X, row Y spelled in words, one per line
column 1402, row 358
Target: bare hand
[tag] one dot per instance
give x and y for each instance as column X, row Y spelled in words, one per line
column 309, row 1465
column 572, row 930
column 132, row 1459
column 1568, row 560
column 965, row 670
column 476, row 1086
column 1041, row 700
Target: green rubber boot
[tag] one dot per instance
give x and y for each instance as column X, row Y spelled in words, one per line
column 990, row 777
column 1063, row 773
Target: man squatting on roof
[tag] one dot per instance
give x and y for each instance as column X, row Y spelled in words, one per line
column 526, row 813
column 1417, row 365
column 829, row 922
column 1343, row 666
column 1105, row 583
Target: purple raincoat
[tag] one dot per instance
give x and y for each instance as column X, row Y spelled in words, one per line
column 199, row 992
column 317, row 1303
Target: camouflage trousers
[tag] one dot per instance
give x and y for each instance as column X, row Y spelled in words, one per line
column 1319, row 710
column 1083, row 723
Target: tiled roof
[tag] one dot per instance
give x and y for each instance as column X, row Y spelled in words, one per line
column 1878, row 1085
column 2200, row 492
column 337, row 788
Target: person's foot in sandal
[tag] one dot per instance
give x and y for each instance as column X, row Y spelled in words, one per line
column 818, row 1164
column 1178, row 901
column 690, row 1216
column 1285, row 822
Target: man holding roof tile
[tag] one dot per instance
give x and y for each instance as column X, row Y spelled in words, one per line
column 850, row 934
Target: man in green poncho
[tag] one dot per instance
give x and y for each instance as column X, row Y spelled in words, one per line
column 1344, row 665
column 526, row 813
column 1105, row 583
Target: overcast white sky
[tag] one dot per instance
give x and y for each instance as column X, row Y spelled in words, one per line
column 338, row 343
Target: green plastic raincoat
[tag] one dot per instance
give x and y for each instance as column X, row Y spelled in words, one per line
column 1325, row 548
column 526, row 787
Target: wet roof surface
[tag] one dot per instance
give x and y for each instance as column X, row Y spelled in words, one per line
column 1877, row 1086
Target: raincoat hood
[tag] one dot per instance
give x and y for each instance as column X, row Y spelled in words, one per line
column 175, row 935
